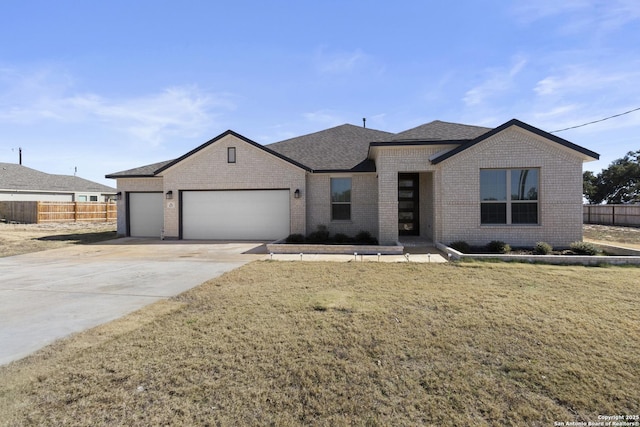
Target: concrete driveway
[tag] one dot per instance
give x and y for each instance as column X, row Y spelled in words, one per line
column 48, row 295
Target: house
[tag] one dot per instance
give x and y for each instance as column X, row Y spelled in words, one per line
column 20, row 183
column 439, row 182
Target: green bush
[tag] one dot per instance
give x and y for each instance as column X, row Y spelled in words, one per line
column 365, row 238
column 542, row 248
column 295, row 238
column 461, row 246
column 321, row 235
column 498, row 247
column 583, row 248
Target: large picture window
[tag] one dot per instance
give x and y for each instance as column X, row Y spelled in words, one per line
column 509, row 196
column 340, row 199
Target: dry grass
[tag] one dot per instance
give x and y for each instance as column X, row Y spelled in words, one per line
column 17, row 239
column 351, row 344
column 623, row 236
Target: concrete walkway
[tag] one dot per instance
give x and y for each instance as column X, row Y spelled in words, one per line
column 435, row 257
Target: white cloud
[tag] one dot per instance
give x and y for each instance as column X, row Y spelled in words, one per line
column 30, row 99
column 592, row 17
column 499, row 80
column 584, row 78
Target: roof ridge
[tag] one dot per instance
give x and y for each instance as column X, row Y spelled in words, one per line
column 330, row 129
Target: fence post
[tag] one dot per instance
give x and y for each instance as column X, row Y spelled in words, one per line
column 613, row 214
column 75, row 211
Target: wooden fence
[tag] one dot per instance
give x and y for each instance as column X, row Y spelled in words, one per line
column 43, row 212
column 627, row 215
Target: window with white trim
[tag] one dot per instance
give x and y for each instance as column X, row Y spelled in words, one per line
column 340, row 199
column 509, row 196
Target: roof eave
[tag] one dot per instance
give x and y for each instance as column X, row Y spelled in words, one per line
column 237, row 135
column 116, row 176
column 587, row 154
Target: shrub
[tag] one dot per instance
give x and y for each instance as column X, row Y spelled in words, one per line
column 584, row 248
column 321, row 235
column 295, row 238
column 461, row 246
column 365, row 238
column 341, row 238
column 498, row 247
column 542, row 248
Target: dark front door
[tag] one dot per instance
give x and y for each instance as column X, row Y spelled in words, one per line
column 408, row 206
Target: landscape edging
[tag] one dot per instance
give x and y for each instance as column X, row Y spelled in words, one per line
column 298, row 248
column 547, row 259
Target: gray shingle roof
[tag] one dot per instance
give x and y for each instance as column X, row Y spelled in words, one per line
column 346, row 147
column 142, row 171
column 438, row 130
column 18, row 177
column 340, row 148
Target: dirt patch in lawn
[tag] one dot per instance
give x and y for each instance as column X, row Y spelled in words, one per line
column 277, row 343
column 16, row 239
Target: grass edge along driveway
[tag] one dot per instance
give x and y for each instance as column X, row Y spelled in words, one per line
column 336, row 344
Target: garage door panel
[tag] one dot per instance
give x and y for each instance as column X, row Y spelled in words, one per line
column 146, row 217
column 235, row 215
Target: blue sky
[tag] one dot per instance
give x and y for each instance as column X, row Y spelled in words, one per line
column 111, row 85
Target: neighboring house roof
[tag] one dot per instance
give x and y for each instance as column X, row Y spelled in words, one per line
column 343, row 147
column 518, row 123
column 18, row 177
column 438, row 130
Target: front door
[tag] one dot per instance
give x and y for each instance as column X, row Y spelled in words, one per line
column 408, row 206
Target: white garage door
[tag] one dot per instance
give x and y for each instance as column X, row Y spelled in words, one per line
column 146, row 218
column 235, row 215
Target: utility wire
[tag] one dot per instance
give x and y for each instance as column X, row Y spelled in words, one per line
column 596, row 121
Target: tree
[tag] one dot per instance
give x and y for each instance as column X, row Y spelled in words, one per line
column 619, row 183
column 590, row 188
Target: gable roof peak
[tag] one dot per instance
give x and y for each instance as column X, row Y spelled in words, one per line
column 437, row 130
column 586, row 153
column 342, row 147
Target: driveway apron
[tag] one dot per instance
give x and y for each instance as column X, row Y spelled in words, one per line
column 48, row 295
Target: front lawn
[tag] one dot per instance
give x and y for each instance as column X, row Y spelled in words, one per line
column 277, row 343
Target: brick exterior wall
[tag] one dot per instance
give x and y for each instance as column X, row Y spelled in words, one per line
column 254, row 169
column 208, row 169
column 559, row 199
column 450, row 190
column 364, row 204
column 389, row 162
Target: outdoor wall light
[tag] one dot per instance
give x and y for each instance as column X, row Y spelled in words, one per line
column 119, row 195
column 169, row 195
column 296, row 193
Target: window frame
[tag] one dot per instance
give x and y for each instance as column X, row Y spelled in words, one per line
column 231, row 154
column 509, row 201
column 336, row 203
